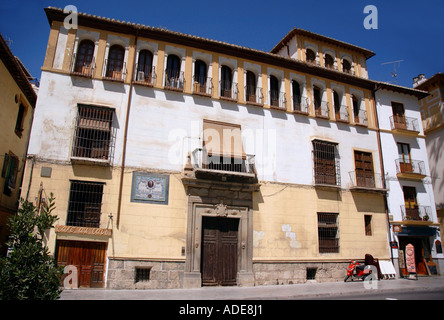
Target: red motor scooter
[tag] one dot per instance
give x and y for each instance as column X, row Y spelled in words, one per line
column 356, row 271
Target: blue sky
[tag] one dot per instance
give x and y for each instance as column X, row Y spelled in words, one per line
column 412, row 31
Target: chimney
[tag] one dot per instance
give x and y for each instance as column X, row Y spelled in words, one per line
column 418, row 80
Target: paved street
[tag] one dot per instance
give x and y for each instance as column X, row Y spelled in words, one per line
column 349, row 290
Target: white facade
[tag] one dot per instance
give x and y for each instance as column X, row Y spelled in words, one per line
column 397, row 181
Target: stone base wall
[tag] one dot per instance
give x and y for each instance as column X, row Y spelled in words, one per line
column 162, row 275
column 298, row 272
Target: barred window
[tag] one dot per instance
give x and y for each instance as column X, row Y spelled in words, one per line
column 328, row 234
column 93, row 134
column 85, row 203
column 326, row 163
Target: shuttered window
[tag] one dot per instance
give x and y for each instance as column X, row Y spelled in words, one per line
column 326, row 163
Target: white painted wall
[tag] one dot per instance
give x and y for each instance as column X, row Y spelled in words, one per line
column 164, row 126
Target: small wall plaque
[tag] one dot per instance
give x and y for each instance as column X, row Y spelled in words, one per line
column 150, row 188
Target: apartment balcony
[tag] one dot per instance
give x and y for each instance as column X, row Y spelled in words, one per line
column 416, row 213
column 342, row 114
column 145, row 76
column 322, row 110
column 410, row 169
column 366, row 182
column 404, row 125
column 360, row 118
column 203, row 86
column 174, row 80
column 228, row 90
column 223, row 168
column 300, row 105
column 114, row 72
column 82, row 68
column 254, row 96
column 277, row 100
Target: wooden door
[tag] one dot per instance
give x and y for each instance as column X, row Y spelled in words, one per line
column 364, row 169
column 87, row 257
column 405, row 162
column 219, row 251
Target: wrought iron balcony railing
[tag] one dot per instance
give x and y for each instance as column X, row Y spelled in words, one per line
column 200, row 159
column 277, row 99
column 322, row 109
column 82, row 68
column 404, row 123
column 300, row 104
column 114, row 72
column 411, row 167
column 364, row 180
column 174, row 80
column 254, row 95
column 360, row 118
column 203, row 85
column 341, row 114
column 144, row 75
column 416, row 213
column 228, row 90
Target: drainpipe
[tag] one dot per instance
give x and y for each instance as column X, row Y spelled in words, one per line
column 122, row 172
column 381, row 159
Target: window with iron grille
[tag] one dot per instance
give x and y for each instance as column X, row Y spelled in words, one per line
column 328, row 233
column 326, row 163
column 85, row 203
column 142, row 274
column 93, row 133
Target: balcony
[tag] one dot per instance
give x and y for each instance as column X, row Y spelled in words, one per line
column 300, row 105
column 114, row 72
column 222, row 168
column 82, row 68
column 228, row 90
column 254, row 96
column 322, row 110
column 145, row 76
column 404, row 125
column 416, row 213
column 366, row 182
column 174, row 80
column 341, row 114
column 360, row 118
column 277, row 100
column 203, row 86
column 410, row 169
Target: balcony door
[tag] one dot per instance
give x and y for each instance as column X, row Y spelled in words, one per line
column 365, row 176
column 399, row 116
column 405, row 162
column 411, row 204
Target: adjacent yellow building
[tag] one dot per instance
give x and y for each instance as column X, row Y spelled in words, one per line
column 17, row 103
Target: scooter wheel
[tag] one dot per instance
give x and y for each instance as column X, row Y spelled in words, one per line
column 346, row 278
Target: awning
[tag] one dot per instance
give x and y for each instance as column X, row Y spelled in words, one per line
column 223, row 139
column 418, row 231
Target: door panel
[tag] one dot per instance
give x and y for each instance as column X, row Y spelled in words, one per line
column 87, row 257
column 219, row 251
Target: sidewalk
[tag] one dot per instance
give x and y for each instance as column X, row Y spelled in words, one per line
column 277, row 292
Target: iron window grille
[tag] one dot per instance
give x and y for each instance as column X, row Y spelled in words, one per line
column 328, row 232
column 326, row 163
column 85, row 203
column 142, row 274
column 94, row 134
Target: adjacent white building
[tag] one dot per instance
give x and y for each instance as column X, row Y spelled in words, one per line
column 410, row 198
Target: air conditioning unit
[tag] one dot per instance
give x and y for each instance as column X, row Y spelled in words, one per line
column 140, row 76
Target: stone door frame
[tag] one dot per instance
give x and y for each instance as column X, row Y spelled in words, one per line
column 196, row 210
